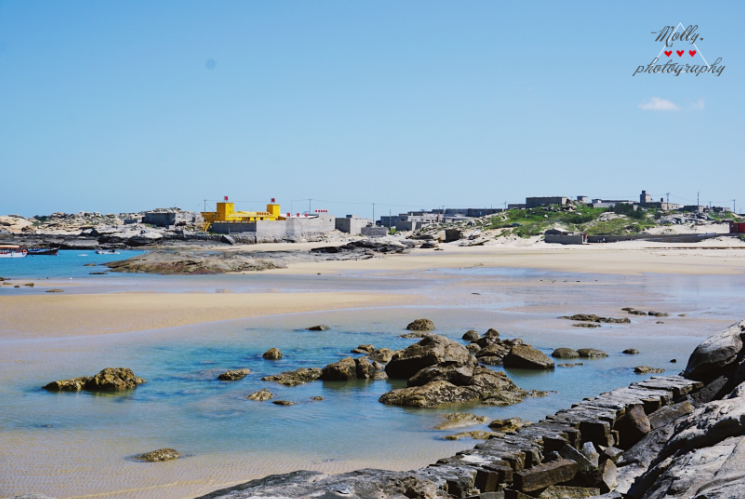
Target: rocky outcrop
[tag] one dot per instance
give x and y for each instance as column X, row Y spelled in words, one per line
column 565, row 353
column 234, row 375
column 682, row 441
column 349, row 369
column 431, row 350
column 296, row 377
column 159, row 455
column 109, row 379
column 595, row 318
column 421, row 325
column 192, row 263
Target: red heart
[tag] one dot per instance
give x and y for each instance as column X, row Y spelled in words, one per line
column 692, row 52
column 680, row 52
column 668, row 52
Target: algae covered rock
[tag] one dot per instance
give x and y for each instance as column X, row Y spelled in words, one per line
column 296, row 377
column 234, row 375
column 272, row 354
column 159, row 455
column 459, row 420
column 67, row 385
column 113, row 379
column 421, row 325
column 261, row 395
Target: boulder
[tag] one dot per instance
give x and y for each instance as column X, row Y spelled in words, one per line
column 431, row 350
column 527, row 357
column 296, row 377
column 473, row 348
column 632, row 427
column 382, row 355
column 343, row 370
column 591, row 353
column 113, row 379
column 544, row 475
column 283, row 402
column 319, row 327
column 459, row 420
column 272, row 354
column 432, row 394
column 457, row 374
column 260, row 395
column 234, row 375
column 657, row 314
column 366, row 369
column 471, row 335
column 568, row 492
column 631, row 351
column 421, row 325
column 565, row 353
column 715, row 353
column 159, row 455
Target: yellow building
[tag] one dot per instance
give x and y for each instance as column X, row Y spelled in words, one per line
column 226, row 214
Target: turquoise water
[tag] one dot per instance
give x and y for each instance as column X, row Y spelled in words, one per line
column 66, row 264
column 62, row 443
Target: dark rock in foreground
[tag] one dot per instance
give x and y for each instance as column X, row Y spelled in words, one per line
column 319, row 327
column 159, row 455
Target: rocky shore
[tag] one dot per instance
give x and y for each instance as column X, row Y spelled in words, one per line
column 667, row 437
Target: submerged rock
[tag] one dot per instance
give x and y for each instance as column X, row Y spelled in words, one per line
column 67, row 385
column 319, row 327
column 421, row 325
column 586, row 324
column 631, row 351
column 283, row 402
column 595, row 318
column 296, row 377
column 159, row 455
column 591, row 353
column 234, row 375
column 459, row 420
column 261, row 395
column 648, row 370
column 364, row 349
column 476, row 435
column 505, row 425
column 272, row 354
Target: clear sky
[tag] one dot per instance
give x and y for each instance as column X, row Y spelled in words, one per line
column 129, row 105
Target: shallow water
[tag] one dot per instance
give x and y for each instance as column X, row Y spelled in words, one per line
column 73, row 445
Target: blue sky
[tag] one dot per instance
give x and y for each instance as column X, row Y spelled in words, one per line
column 129, row 105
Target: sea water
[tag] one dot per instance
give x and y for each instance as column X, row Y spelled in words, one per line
column 75, row 444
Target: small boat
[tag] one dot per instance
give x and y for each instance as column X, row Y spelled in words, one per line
column 107, row 252
column 43, row 251
column 13, row 252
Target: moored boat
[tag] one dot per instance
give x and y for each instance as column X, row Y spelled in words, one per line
column 12, row 252
column 43, row 251
column 107, row 252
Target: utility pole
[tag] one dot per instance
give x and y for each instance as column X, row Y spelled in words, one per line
column 668, row 197
column 734, row 206
column 698, row 203
column 309, row 207
column 374, row 214
column 389, row 220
